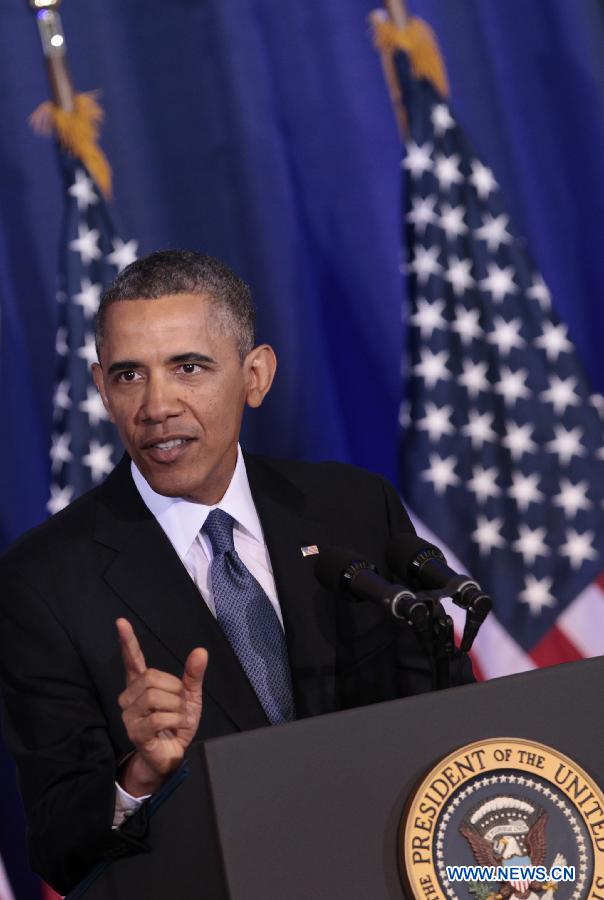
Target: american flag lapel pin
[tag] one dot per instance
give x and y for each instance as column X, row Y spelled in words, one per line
column 311, row 550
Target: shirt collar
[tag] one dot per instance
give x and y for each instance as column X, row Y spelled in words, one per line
column 182, row 520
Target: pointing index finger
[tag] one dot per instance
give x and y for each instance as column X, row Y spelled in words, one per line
column 134, row 661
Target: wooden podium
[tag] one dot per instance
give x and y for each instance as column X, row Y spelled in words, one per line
column 311, row 810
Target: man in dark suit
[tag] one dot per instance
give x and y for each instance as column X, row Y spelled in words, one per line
column 96, row 720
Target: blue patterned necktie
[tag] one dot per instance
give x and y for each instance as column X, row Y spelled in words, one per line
column 249, row 621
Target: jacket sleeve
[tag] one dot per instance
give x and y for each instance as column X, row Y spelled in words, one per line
column 55, row 729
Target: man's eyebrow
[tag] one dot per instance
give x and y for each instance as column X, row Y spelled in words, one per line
column 191, row 357
column 122, row 365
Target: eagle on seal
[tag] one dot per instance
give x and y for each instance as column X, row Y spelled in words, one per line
column 511, row 840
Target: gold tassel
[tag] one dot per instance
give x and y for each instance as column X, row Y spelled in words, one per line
column 77, row 132
column 419, row 43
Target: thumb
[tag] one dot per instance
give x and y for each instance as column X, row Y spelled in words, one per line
column 195, row 668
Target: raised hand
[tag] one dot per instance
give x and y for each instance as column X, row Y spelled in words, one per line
column 161, row 713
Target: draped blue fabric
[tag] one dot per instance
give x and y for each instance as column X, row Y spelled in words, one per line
column 261, row 132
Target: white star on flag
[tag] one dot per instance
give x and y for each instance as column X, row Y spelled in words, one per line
column 512, row 385
column 493, row 231
column 441, row 118
column 86, row 243
column 61, row 347
column 572, row 497
column 483, row 179
column 89, row 298
column 98, row 460
column 479, row 428
column 429, row 316
column 83, row 190
column 518, row 440
column 432, row 367
column 524, row 490
column 499, row 282
column 566, row 443
column 61, row 400
column 404, row 413
column 93, row 406
column 578, row 547
column 60, row 497
column 554, row 340
column 597, row 400
column 466, row 324
column 422, row 213
column 88, row 350
column 59, row 450
column 474, row 377
column 458, row 275
column 561, row 393
column 539, row 291
column 446, row 169
column 537, row 593
column 488, row 534
column 441, row 473
column 531, row 543
column 123, row 253
column 437, row 421
column 418, row 159
column 506, row 335
column 483, row 483
column 452, row 220
column 425, row 263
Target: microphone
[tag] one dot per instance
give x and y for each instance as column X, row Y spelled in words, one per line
column 343, row 571
column 424, row 566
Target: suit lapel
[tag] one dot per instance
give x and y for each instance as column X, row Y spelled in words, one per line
column 149, row 577
column 308, row 611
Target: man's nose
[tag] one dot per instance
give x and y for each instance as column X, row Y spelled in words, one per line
column 160, row 400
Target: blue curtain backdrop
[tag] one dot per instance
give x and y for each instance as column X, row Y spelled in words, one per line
column 261, row 132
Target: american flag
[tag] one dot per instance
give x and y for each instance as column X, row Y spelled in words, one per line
column 502, row 440
column 84, row 446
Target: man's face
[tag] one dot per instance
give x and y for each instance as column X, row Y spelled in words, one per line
column 175, row 386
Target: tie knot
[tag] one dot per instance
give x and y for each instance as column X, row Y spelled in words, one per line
column 219, row 528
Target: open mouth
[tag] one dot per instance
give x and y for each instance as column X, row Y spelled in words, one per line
column 168, row 451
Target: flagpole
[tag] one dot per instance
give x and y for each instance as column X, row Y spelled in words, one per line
column 74, row 119
column 55, row 52
column 397, row 13
column 397, row 10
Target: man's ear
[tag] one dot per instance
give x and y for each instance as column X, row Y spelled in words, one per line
column 97, row 375
column 260, row 365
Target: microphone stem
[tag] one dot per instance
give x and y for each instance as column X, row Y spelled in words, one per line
column 444, row 646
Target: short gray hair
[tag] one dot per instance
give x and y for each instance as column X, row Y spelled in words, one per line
column 168, row 272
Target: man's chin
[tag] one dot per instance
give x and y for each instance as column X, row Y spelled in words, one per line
column 181, row 485
column 168, row 484
column 197, row 480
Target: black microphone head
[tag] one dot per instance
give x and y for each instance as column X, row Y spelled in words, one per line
column 407, row 553
column 336, row 565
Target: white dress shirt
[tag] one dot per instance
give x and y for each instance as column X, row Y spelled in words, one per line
column 182, row 521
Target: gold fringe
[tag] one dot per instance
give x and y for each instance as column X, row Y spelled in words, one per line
column 77, row 132
column 419, row 43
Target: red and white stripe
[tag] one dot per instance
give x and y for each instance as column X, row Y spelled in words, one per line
column 577, row 634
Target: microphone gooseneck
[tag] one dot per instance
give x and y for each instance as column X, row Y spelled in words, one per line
column 424, row 566
column 344, row 572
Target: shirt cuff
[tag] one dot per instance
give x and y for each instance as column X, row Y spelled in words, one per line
column 125, row 805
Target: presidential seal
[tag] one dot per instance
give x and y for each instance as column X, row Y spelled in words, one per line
column 504, row 818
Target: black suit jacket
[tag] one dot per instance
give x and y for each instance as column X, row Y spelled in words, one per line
column 63, row 585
